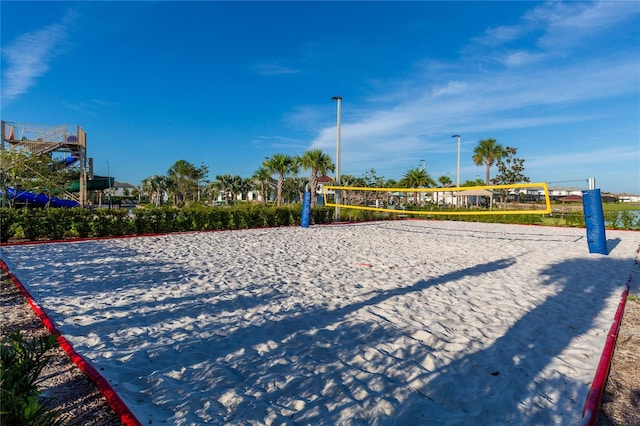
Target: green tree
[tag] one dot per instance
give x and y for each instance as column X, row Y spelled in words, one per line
column 42, row 174
column 510, row 168
column 389, row 183
column 184, row 179
column 243, row 186
column 486, row 153
column 349, row 180
column 212, row 190
column 370, row 179
column 415, row 178
column 445, row 181
column 283, row 165
column 469, row 182
column 229, row 185
column 262, row 179
column 319, row 163
column 293, row 189
column 155, row 186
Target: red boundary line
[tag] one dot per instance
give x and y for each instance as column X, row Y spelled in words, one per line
column 594, row 397
column 124, row 413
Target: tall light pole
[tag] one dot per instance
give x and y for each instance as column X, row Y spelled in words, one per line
column 458, row 168
column 338, row 99
column 424, row 165
column 109, row 182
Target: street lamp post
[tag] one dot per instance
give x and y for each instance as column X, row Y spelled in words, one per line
column 338, row 99
column 424, row 169
column 109, row 182
column 458, row 168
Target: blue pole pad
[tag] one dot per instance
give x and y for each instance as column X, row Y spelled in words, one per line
column 306, row 209
column 594, row 221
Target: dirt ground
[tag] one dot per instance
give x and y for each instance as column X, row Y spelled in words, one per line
column 621, row 398
column 66, row 389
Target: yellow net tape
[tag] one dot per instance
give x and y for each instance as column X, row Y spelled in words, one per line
column 519, row 198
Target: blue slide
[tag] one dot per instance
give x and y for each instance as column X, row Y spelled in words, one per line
column 39, row 199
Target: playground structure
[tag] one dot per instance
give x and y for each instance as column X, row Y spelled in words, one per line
column 69, row 143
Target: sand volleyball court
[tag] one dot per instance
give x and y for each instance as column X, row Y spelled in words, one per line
column 407, row 322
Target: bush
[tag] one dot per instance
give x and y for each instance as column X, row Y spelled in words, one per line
column 22, row 362
column 57, row 223
column 611, row 219
column 33, row 223
column 8, row 223
column 284, row 216
column 322, row 215
column 80, row 223
column 575, row 219
column 628, row 220
column 100, row 224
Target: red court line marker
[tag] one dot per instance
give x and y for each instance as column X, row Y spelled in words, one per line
column 594, row 397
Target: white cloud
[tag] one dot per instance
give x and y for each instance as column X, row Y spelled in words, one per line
column 519, row 95
column 521, row 58
column 29, row 56
column 557, row 28
column 500, row 35
column 570, row 24
column 451, row 88
column 273, row 69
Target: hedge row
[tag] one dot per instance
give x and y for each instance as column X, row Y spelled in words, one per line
column 57, row 224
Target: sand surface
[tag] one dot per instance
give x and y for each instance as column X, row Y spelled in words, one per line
column 409, row 322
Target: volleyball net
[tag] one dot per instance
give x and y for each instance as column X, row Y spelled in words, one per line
column 520, row 198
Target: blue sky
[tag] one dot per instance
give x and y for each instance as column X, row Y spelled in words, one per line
column 229, row 83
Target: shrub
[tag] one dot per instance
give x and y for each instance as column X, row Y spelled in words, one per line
column 611, row 218
column 283, row 215
column 33, row 223
column 8, row 223
column 575, row 219
column 627, row 219
column 322, row 215
column 80, row 222
column 100, row 223
column 22, row 362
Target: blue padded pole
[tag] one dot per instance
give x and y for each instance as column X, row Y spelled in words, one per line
column 594, row 220
column 306, row 209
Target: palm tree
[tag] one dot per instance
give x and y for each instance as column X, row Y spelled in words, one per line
column 415, row 178
column 242, row 187
column 487, row 152
column 225, row 184
column 282, row 164
column 348, row 180
column 212, row 190
column 262, row 177
column 319, row 163
column 293, row 189
column 445, row 182
column 156, row 186
column 390, row 183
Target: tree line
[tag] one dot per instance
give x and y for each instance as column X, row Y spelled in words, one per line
column 278, row 177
